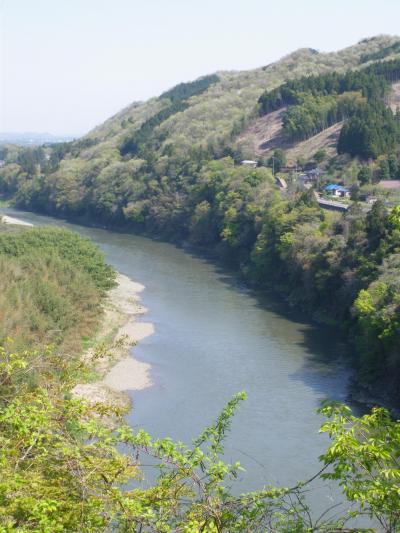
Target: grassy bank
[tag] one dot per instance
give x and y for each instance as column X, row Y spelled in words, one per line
column 52, row 284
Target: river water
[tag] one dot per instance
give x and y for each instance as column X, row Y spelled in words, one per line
column 213, row 338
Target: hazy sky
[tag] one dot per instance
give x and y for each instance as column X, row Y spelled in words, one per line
column 67, row 65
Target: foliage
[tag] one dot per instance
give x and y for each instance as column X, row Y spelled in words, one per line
column 365, row 175
column 140, row 140
column 378, row 312
column 364, row 456
column 69, row 246
column 317, row 102
column 381, row 54
column 372, row 81
column 57, row 462
column 52, row 282
column 320, row 155
column 61, row 470
column 370, row 132
column 313, row 114
column 277, row 160
column 183, row 91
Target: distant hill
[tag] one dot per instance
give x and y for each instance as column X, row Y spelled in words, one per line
column 215, row 116
column 209, row 118
column 33, row 138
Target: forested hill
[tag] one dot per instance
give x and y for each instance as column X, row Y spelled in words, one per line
column 172, row 166
column 201, row 120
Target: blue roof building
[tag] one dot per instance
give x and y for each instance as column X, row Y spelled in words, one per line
column 337, row 190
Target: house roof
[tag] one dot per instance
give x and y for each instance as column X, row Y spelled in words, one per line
column 336, row 187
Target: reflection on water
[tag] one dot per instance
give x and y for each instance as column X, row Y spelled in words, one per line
column 212, row 339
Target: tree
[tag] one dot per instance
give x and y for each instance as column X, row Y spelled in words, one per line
column 355, row 192
column 384, row 169
column 365, row 175
column 320, row 155
column 393, row 165
column 364, row 456
column 277, row 160
column 372, row 131
column 301, row 161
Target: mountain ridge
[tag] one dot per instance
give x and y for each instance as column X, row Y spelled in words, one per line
column 231, row 80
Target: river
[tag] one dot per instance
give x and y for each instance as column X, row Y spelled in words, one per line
column 213, row 338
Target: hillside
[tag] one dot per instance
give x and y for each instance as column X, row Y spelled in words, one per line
column 171, row 167
column 215, row 121
column 235, row 95
column 265, row 134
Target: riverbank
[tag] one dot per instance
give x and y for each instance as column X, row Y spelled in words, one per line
column 109, row 359
column 5, row 219
column 117, row 371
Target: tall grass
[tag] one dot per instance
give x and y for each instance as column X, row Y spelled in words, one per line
column 52, row 283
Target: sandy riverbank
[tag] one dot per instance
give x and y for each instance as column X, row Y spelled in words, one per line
column 5, row 219
column 120, row 371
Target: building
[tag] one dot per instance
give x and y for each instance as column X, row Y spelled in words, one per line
column 249, row 163
column 309, row 177
column 390, row 184
column 337, row 190
column 315, row 174
column 368, row 198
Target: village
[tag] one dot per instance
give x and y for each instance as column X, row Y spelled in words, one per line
column 330, row 194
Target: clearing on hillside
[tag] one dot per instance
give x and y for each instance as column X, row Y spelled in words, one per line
column 326, row 140
column 266, row 134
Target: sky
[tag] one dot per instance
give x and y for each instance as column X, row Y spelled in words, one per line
column 67, row 65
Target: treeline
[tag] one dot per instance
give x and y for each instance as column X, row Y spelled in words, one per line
column 373, row 130
column 380, row 54
column 317, row 102
column 313, row 114
column 47, row 157
column 140, row 141
column 183, row 91
column 143, row 139
column 373, row 81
